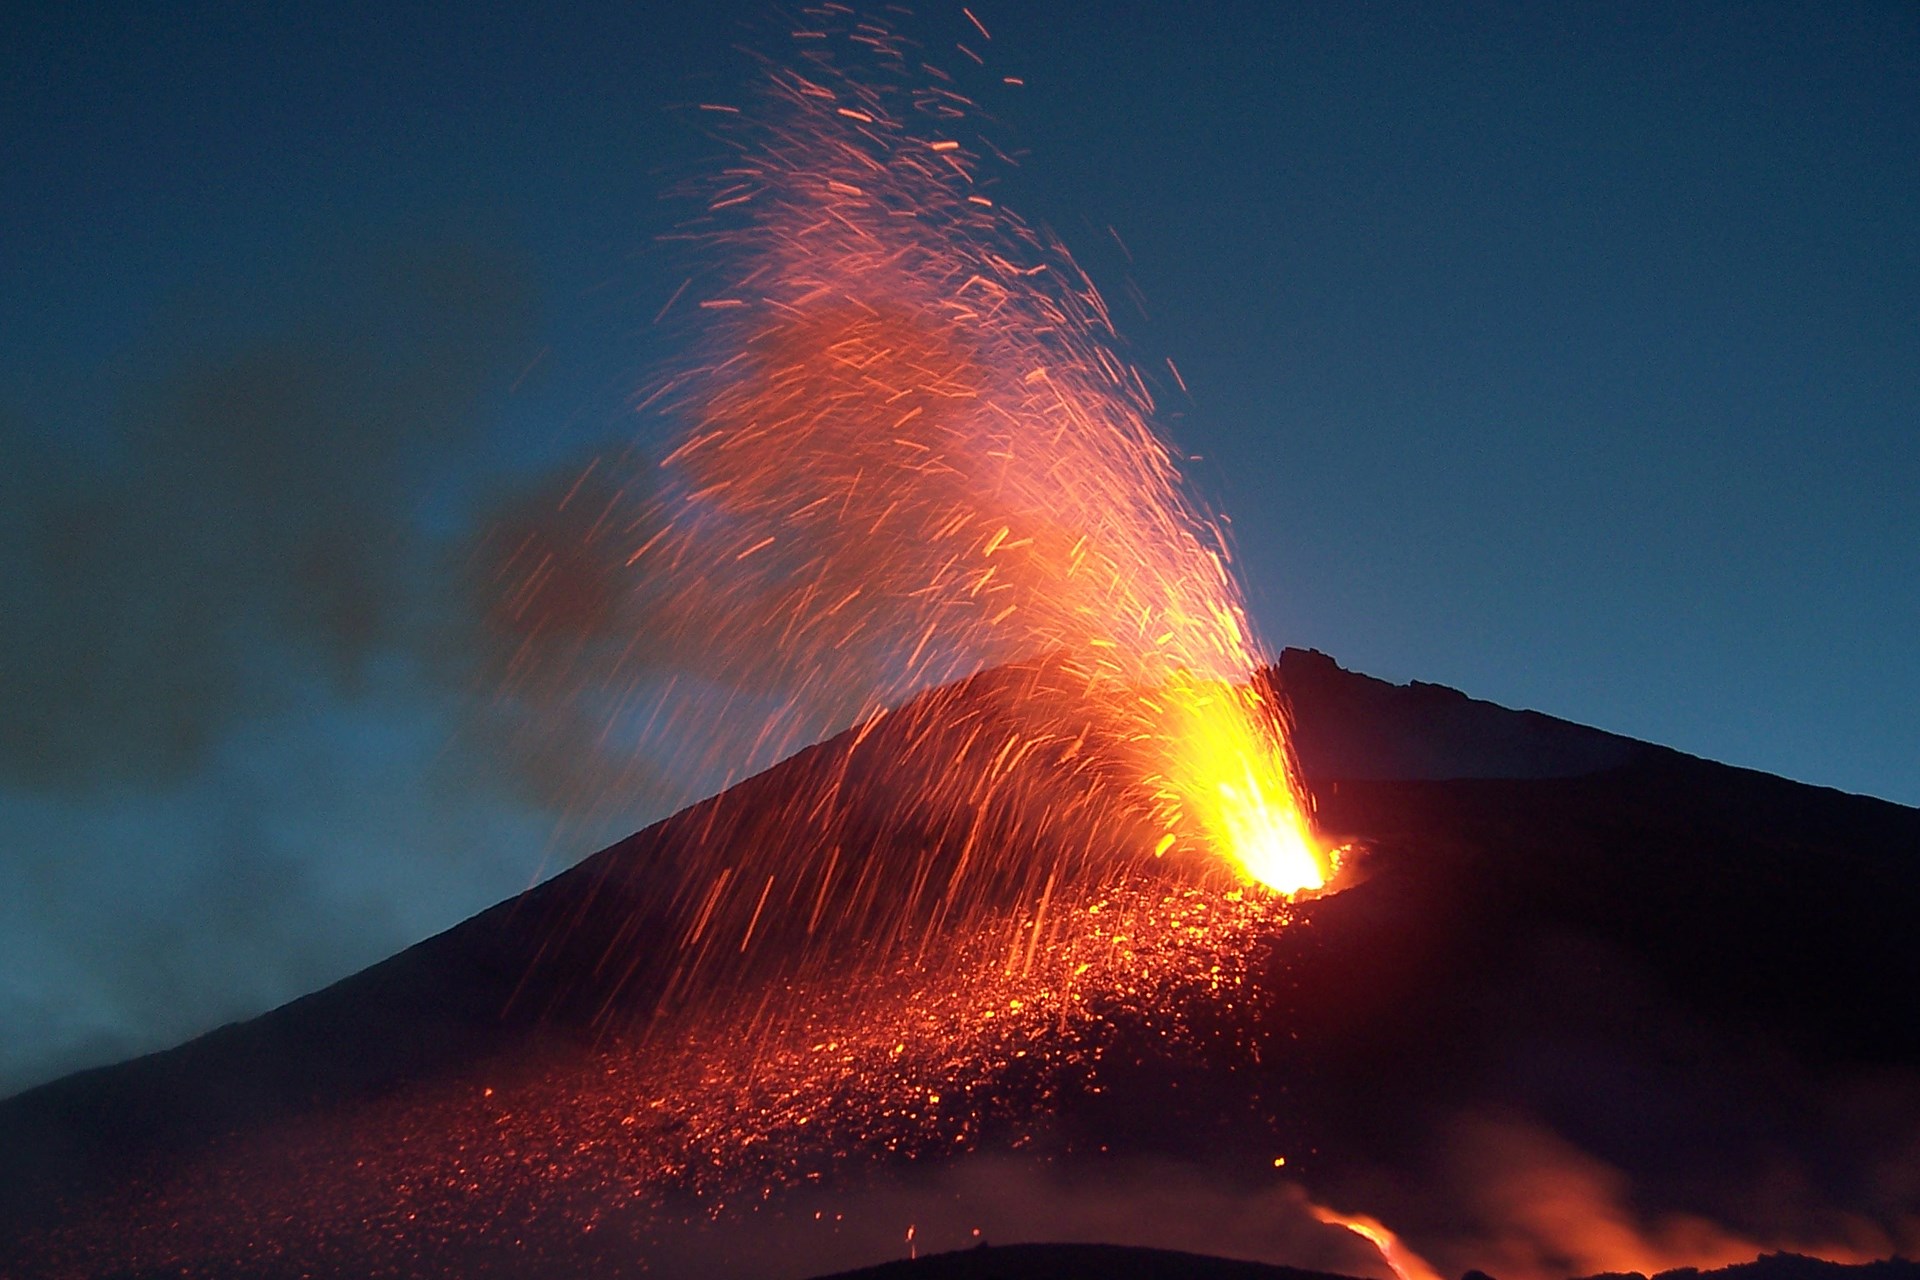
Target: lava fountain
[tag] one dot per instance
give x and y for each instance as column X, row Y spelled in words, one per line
column 910, row 450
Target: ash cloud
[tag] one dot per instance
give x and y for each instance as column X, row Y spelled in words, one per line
column 251, row 659
column 569, row 635
column 1541, row 1206
column 254, row 499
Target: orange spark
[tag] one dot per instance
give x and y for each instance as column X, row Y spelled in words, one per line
column 913, row 451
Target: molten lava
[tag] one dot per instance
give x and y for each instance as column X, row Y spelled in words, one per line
column 1229, row 754
column 1402, row 1261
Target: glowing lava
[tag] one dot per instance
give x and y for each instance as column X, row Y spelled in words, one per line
column 1230, row 755
column 1404, row 1262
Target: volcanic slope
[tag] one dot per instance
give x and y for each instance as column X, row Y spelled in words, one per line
column 1079, row 1262
column 1582, row 1004
column 1105, row 1262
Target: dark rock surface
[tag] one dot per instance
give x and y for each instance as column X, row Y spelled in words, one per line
column 1097, row 1262
column 1109, row 1262
column 1352, row 726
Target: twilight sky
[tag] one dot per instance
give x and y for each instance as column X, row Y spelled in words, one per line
column 1568, row 355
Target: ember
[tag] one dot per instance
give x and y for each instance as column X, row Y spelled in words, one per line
column 910, row 451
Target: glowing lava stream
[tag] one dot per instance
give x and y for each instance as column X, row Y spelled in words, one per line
column 1404, row 1262
column 910, row 451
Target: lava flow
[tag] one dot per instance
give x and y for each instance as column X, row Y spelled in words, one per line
column 1404, row 1263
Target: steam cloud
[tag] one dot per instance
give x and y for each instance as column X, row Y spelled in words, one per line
column 1676, row 1145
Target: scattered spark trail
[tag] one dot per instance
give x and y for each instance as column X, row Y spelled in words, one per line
column 910, row 451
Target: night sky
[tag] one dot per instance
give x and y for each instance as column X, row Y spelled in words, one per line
column 1567, row 355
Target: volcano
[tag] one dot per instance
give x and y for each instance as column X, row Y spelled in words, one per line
column 1577, row 1003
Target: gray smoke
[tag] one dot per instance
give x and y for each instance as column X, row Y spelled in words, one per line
column 252, row 732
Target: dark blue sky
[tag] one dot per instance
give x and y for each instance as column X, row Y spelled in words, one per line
column 1569, row 355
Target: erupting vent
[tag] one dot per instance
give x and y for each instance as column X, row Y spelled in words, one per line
column 915, row 452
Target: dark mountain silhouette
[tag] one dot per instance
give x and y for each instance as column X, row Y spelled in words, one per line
column 1078, row 1262
column 1585, row 1003
column 1107, row 1262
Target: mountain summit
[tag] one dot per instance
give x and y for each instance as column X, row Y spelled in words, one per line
column 1578, row 1004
